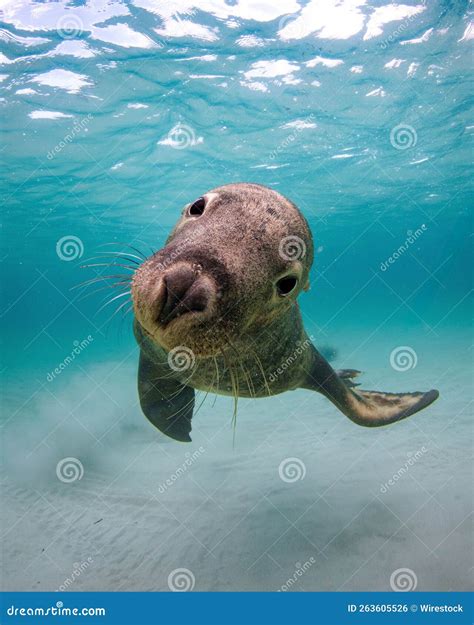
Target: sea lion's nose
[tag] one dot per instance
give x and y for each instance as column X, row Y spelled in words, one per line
column 183, row 293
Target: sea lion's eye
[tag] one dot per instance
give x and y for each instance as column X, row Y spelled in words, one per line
column 286, row 285
column 197, row 207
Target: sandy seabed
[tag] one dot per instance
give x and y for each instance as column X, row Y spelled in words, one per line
column 303, row 500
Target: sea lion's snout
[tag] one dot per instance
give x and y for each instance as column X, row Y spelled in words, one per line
column 184, row 291
column 173, row 299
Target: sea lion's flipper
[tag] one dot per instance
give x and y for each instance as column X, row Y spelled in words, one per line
column 166, row 402
column 368, row 408
column 347, row 376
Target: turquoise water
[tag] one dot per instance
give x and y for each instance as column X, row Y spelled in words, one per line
column 115, row 115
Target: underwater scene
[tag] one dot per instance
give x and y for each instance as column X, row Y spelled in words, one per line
column 117, row 117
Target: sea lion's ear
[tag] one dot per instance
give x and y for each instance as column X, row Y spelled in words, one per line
column 166, row 403
column 368, row 408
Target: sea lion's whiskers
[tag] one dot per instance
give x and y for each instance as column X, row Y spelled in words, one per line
column 181, row 389
column 135, row 249
column 124, row 316
column 113, row 285
column 182, row 408
column 118, row 310
column 236, row 401
column 235, row 395
column 101, row 278
column 176, row 412
column 168, row 376
column 244, row 370
column 247, row 378
column 217, row 375
column 259, row 363
column 204, row 398
column 126, row 293
column 172, row 374
column 103, row 255
column 132, row 269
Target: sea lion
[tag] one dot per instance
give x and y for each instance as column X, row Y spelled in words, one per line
column 216, row 310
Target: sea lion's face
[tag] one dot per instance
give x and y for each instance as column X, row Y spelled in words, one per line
column 237, row 259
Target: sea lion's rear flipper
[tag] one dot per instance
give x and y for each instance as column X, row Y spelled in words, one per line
column 166, row 402
column 347, row 375
column 368, row 408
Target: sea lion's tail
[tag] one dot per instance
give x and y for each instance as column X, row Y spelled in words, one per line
column 367, row 408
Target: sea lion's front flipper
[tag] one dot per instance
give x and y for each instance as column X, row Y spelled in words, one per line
column 166, row 402
column 368, row 408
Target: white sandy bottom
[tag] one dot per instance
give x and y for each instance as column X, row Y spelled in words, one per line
column 227, row 516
